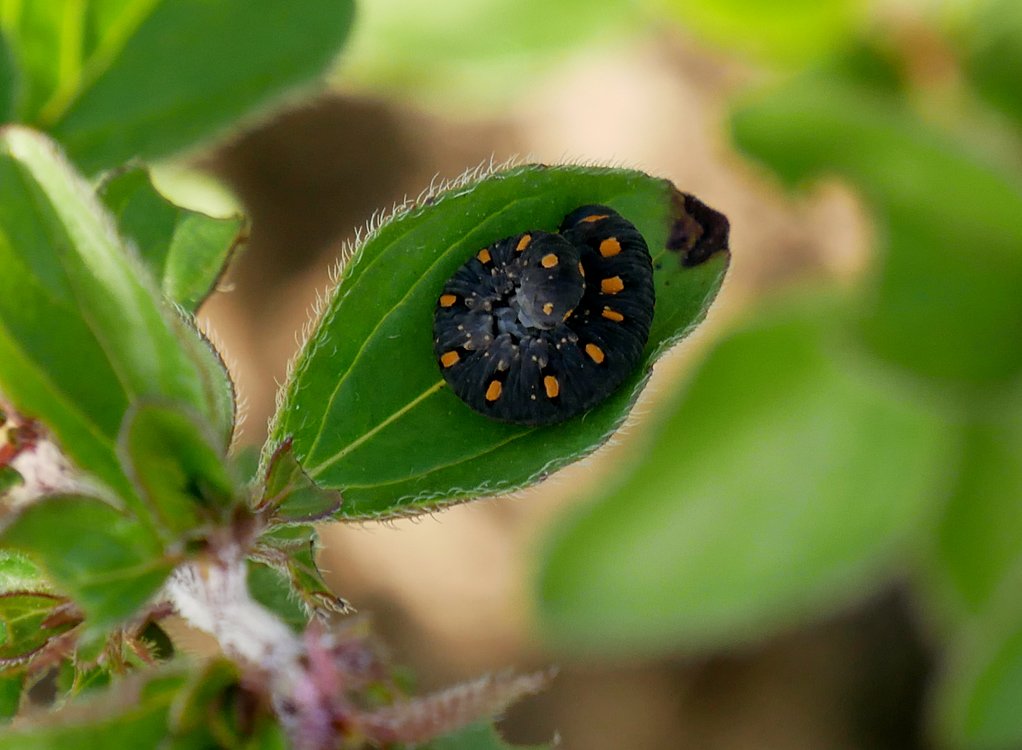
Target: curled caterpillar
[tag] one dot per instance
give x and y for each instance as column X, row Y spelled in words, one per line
column 539, row 327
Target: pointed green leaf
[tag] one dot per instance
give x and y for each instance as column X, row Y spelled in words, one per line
column 289, row 496
column 23, row 624
column 107, row 562
column 184, row 70
column 367, row 407
column 291, row 552
column 177, row 468
column 185, row 251
column 82, row 332
column 786, row 477
column 944, row 301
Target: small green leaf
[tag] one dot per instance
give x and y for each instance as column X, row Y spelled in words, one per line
column 289, row 496
column 24, row 629
column 978, row 545
column 18, row 573
column 786, row 477
column 130, row 715
column 185, row 251
column 944, row 301
column 477, row 737
column 291, row 552
column 201, row 66
column 107, row 562
column 82, row 333
column 272, row 588
column 993, row 58
column 177, row 468
column 367, row 407
column 11, row 685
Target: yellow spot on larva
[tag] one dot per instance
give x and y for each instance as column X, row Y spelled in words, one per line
column 610, row 247
column 581, row 270
column 613, row 285
column 548, row 308
column 592, row 217
column 447, row 300
column 548, row 261
column 483, row 255
column 493, row 392
column 568, row 314
column 552, row 386
column 595, row 353
column 523, row 243
column 449, row 358
column 613, row 315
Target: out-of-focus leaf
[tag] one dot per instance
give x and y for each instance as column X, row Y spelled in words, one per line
column 403, row 441
column 993, row 57
column 944, row 301
column 180, row 71
column 23, row 624
column 477, row 737
column 979, row 695
column 107, row 562
column 472, row 53
column 177, row 468
column 789, row 31
column 289, row 496
column 787, row 476
column 82, row 332
column 186, row 251
column 8, row 80
column 978, row 548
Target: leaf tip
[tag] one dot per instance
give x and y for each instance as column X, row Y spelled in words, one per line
column 697, row 232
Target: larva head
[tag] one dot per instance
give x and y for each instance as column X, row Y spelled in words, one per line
column 552, row 281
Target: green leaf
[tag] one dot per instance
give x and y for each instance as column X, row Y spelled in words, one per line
column 185, row 251
column 788, row 31
column 787, row 477
column 978, row 545
column 11, row 685
column 107, row 562
column 993, row 55
column 477, row 737
column 177, row 468
column 291, row 552
column 367, row 407
column 18, row 573
column 24, row 629
column 944, row 301
column 82, row 332
column 980, row 691
column 272, row 588
column 131, row 715
column 289, row 496
column 181, row 71
column 475, row 52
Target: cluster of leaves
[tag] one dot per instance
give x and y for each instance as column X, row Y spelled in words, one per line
column 101, row 357
column 838, row 438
